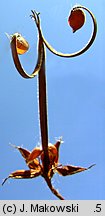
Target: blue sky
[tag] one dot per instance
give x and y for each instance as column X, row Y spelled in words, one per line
column 76, row 100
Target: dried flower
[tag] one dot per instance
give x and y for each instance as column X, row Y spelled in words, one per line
column 34, row 160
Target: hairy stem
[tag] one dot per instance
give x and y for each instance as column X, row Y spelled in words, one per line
column 42, row 99
column 43, row 113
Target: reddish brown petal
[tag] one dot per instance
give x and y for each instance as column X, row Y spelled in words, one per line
column 52, row 152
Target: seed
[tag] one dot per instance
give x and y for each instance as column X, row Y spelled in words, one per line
column 76, row 19
column 22, row 45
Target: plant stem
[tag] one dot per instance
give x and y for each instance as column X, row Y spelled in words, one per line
column 43, row 113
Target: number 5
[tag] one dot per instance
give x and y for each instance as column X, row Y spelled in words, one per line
column 98, row 207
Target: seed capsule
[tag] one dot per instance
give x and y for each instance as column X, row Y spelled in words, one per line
column 22, row 45
column 53, row 154
column 76, row 19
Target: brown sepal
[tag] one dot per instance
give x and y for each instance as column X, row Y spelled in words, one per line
column 70, row 170
column 24, row 174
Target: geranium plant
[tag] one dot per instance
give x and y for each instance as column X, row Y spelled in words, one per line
column 44, row 160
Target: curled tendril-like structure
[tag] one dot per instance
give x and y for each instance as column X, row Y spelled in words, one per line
column 85, row 48
column 40, row 70
column 18, row 65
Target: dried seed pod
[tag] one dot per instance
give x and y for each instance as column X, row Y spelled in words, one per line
column 33, row 164
column 32, row 160
column 34, row 154
column 76, row 19
column 53, row 154
column 22, row 45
